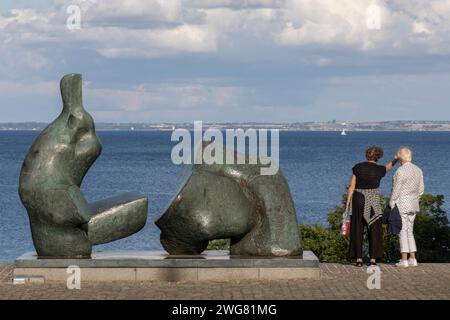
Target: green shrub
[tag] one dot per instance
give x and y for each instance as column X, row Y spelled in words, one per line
column 432, row 230
column 219, row 244
column 327, row 244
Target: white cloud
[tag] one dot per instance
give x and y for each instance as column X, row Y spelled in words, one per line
column 28, row 60
column 233, row 4
column 420, row 27
column 152, row 10
column 346, row 23
column 18, row 16
column 99, row 32
column 13, row 89
column 119, row 42
column 133, row 28
column 343, row 23
column 322, row 62
column 145, row 101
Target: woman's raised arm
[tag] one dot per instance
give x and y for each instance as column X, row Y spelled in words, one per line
column 391, row 164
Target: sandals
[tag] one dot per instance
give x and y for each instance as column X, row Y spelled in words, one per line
column 360, row 263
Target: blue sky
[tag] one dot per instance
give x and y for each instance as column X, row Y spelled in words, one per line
column 229, row 60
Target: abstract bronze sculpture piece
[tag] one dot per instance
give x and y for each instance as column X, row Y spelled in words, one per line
column 220, row 201
column 63, row 223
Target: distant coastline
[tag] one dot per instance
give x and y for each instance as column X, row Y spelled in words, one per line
column 400, row 125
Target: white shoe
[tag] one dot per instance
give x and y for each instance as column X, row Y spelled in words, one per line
column 402, row 264
column 412, row 262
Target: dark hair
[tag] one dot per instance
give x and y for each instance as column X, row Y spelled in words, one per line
column 374, row 153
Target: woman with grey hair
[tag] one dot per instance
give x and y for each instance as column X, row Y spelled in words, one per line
column 408, row 187
column 364, row 207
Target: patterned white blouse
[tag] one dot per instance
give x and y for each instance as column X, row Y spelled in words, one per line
column 407, row 188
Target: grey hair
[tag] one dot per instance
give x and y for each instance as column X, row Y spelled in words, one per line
column 405, row 154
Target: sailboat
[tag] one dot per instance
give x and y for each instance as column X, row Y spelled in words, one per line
column 344, row 132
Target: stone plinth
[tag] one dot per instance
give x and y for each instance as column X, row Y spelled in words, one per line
column 159, row 266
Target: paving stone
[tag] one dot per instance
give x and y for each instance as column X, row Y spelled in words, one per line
column 428, row 281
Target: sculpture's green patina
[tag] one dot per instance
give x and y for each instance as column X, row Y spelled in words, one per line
column 63, row 223
column 232, row 201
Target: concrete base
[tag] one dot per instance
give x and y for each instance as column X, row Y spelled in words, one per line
column 159, row 266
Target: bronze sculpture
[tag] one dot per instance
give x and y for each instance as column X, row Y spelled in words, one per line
column 63, row 223
column 221, row 201
column 218, row 201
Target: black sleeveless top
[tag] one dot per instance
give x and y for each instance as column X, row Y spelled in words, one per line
column 368, row 175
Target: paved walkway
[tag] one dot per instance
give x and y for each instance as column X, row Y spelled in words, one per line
column 428, row 281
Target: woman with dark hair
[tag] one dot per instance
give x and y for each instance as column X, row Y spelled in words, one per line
column 364, row 207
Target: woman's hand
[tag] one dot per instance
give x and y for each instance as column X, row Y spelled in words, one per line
column 347, row 207
column 392, row 164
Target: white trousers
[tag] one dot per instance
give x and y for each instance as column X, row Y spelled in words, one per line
column 407, row 242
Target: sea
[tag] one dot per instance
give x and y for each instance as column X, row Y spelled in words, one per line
column 317, row 166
